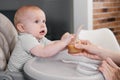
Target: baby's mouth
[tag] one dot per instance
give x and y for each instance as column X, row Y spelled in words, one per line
column 42, row 32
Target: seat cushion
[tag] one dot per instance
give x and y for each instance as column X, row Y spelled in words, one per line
column 2, row 60
column 4, row 46
column 8, row 30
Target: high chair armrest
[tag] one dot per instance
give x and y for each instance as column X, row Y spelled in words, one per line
column 11, row 75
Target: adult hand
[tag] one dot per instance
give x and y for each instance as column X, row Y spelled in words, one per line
column 110, row 70
column 86, row 54
column 89, row 49
column 102, row 52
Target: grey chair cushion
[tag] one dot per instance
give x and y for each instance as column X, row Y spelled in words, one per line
column 2, row 60
column 8, row 30
column 4, row 47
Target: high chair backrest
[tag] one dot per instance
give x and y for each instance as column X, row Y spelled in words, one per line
column 102, row 37
column 8, row 38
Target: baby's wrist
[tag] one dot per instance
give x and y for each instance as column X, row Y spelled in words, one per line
column 64, row 42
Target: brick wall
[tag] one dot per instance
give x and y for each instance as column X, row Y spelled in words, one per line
column 106, row 13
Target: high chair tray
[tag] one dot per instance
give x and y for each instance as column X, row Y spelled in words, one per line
column 48, row 69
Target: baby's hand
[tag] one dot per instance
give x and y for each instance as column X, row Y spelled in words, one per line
column 67, row 37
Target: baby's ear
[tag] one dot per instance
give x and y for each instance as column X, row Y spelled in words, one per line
column 20, row 27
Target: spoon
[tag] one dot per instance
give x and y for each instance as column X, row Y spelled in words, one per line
column 77, row 33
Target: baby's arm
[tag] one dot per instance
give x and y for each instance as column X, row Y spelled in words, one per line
column 52, row 48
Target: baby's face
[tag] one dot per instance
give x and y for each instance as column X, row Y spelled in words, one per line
column 34, row 23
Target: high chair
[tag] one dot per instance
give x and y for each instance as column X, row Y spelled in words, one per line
column 8, row 38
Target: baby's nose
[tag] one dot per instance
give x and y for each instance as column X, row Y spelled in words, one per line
column 43, row 25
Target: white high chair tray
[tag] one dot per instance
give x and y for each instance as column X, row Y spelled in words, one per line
column 40, row 69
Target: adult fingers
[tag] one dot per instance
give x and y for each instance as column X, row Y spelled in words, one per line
column 85, row 42
column 88, row 55
column 110, row 62
column 107, row 70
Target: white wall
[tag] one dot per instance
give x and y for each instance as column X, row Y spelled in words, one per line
column 83, row 14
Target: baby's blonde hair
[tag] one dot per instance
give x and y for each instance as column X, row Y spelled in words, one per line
column 20, row 13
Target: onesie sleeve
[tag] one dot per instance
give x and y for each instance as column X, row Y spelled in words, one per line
column 28, row 42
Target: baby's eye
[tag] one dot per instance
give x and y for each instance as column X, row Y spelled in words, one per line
column 44, row 21
column 36, row 21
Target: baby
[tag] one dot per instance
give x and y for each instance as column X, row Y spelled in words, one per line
column 30, row 22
